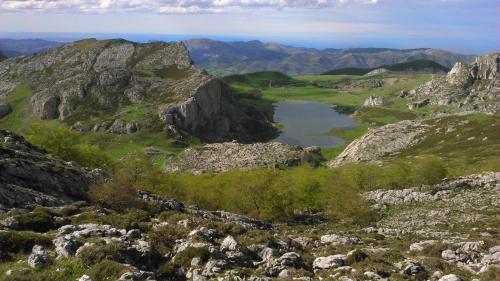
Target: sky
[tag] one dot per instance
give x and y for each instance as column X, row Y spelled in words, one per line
column 466, row 26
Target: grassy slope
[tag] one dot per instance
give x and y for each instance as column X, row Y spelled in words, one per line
column 116, row 146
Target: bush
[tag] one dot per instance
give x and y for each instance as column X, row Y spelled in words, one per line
column 106, row 270
column 38, row 220
column 22, row 241
column 184, row 258
column 430, row 170
column 98, row 253
column 67, row 144
column 119, row 194
column 162, row 238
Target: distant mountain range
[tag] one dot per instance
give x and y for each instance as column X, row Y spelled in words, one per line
column 417, row 66
column 222, row 58
column 18, row 47
column 240, row 57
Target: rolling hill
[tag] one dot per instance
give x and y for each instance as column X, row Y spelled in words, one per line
column 417, row 66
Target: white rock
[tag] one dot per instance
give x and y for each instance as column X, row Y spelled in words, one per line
column 333, row 261
column 450, row 277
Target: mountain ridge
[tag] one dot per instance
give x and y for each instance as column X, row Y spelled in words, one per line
column 234, row 57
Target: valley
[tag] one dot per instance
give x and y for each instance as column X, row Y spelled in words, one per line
column 126, row 161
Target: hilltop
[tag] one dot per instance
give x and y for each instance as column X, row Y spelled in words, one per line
column 240, row 57
column 120, row 87
column 417, row 66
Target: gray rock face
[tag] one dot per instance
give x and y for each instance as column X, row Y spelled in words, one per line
column 29, row 177
column 376, row 72
column 97, row 78
column 383, row 141
column 221, row 157
column 470, row 87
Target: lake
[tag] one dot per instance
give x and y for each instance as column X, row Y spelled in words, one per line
column 307, row 123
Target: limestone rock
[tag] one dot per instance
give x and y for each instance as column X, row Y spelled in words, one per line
column 450, row 277
column 383, row 141
column 221, row 157
column 376, row 72
column 374, row 101
column 38, row 257
column 333, row 261
column 30, row 177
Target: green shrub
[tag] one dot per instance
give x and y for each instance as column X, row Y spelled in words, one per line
column 67, row 144
column 356, row 256
column 106, row 270
column 119, row 194
column 38, row 220
column 430, row 170
column 100, row 252
column 184, row 258
column 22, row 241
column 167, row 271
column 162, row 238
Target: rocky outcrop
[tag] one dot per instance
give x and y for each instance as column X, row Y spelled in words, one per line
column 374, row 101
column 469, row 87
column 29, row 177
column 376, row 72
column 383, row 141
column 91, row 78
column 221, row 157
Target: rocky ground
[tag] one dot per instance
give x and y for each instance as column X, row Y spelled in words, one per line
column 221, row 157
column 444, row 232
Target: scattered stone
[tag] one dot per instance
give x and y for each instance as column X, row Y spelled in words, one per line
column 450, row 277
column 374, row 101
column 38, row 257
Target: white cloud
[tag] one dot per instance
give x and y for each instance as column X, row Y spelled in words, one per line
column 165, row 6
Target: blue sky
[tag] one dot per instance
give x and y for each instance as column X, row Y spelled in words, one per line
column 469, row 26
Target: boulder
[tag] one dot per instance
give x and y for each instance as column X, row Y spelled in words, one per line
column 38, row 257
column 333, row 261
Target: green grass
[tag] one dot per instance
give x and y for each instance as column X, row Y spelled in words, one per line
column 473, row 147
column 20, row 116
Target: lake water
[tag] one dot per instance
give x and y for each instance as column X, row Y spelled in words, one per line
column 307, row 123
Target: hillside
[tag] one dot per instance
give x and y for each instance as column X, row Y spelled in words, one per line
column 2, row 56
column 240, row 57
column 467, row 87
column 119, row 88
column 417, row 66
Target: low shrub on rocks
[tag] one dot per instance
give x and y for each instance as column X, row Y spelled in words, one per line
column 39, row 220
column 119, row 194
column 22, row 241
column 162, row 238
column 106, row 270
column 100, row 252
column 184, row 258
